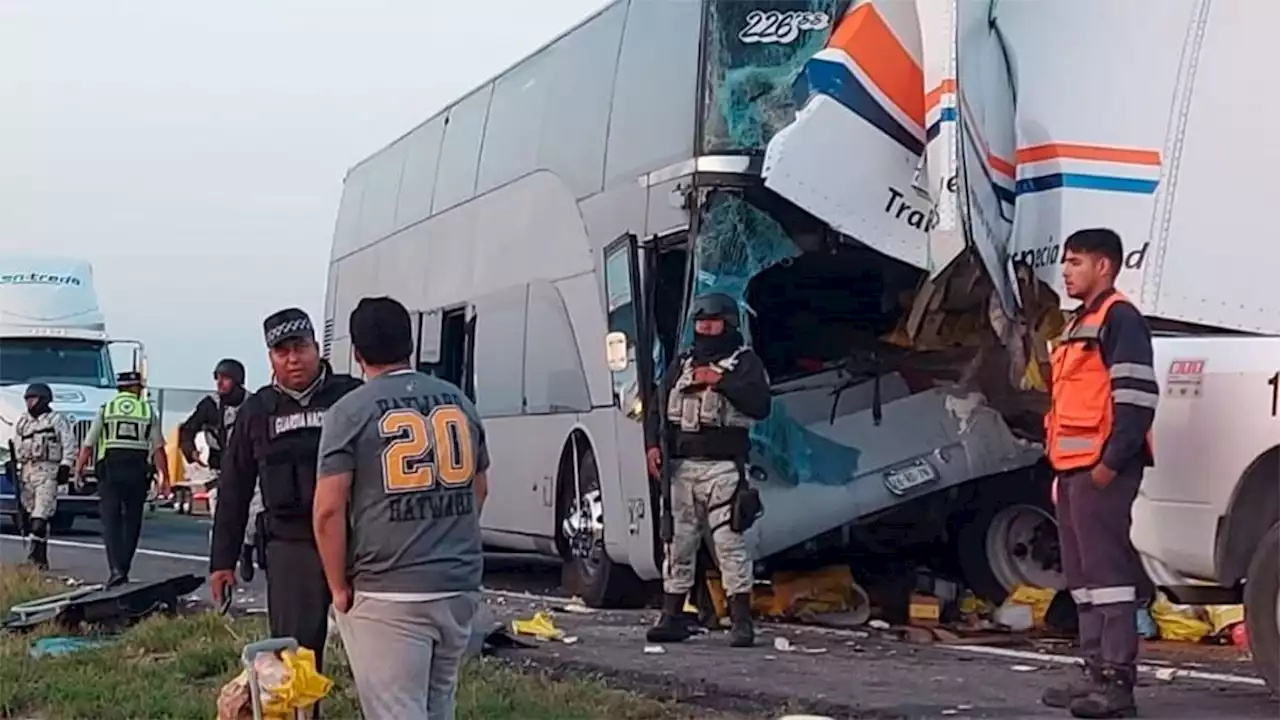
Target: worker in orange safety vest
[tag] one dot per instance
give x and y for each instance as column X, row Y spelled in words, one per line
column 1098, row 441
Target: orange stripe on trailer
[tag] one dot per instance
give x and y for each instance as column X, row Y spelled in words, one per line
column 871, row 43
column 1099, row 153
column 934, row 96
column 1002, row 166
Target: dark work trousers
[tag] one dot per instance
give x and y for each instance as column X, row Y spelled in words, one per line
column 1102, row 568
column 122, row 496
column 297, row 594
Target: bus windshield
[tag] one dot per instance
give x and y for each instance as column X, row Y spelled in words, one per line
column 55, row 360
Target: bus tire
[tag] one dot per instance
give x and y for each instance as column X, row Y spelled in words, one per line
column 1262, row 607
column 589, row 572
column 1008, row 536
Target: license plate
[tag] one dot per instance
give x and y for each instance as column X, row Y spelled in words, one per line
column 903, row 479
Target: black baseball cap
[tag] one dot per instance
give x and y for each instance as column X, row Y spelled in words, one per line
column 128, row 378
column 38, row 390
column 287, row 324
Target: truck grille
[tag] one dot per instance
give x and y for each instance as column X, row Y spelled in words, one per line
column 81, row 430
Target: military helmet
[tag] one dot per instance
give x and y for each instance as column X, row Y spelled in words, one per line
column 716, row 305
column 39, row 390
column 231, row 368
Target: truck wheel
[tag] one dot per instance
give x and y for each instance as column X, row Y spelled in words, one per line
column 1009, row 538
column 588, row 571
column 61, row 523
column 1262, row 607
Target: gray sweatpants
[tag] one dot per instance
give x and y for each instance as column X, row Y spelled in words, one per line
column 405, row 655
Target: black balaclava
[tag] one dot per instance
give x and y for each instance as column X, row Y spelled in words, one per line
column 44, row 395
column 709, row 348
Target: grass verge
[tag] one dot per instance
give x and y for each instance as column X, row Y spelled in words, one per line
column 173, row 667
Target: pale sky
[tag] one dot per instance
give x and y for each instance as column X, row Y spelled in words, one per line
column 194, row 151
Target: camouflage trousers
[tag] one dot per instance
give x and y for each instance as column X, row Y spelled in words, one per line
column 701, row 502
column 40, row 489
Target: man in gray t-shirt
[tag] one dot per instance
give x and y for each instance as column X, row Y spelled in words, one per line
column 402, row 479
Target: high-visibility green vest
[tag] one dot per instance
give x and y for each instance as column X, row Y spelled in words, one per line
column 126, row 424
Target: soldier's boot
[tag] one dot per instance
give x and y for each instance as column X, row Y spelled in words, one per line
column 742, row 633
column 1061, row 696
column 38, row 554
column 672, row 627
column 246, row 563
column 1114, row 700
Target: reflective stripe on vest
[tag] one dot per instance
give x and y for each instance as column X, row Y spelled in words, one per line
column 126, row 424
column 1082, row 413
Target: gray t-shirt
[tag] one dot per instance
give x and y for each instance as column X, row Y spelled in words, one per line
column 414, row 444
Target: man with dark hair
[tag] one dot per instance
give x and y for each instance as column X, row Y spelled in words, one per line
column 403, row 476
column 274, row 443
column 215, row 415
column 1098, row 441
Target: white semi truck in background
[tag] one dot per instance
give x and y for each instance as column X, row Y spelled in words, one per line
column 52, row 330
column 885, row 187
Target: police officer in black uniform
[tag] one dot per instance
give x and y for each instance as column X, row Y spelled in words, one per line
column 276, row 441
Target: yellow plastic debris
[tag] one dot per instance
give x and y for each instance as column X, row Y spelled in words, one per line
column 1036, row 598
column 539, row 626
column 288, row 682
column 792, row 594
column 1222, row 617
column 1178, row 622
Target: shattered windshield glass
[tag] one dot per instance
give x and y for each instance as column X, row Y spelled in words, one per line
column 735, row 242
column 756, row 51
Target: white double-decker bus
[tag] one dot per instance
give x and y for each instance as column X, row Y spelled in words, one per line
column 602, row 182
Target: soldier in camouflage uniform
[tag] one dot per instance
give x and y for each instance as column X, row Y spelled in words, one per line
column 46, row 449
column 711, row 394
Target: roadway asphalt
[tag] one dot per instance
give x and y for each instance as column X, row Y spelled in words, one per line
column 862, row 673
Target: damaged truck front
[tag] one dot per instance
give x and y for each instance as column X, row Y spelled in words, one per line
column 824, row 201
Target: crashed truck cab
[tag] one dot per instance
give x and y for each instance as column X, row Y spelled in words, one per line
column 823, row 200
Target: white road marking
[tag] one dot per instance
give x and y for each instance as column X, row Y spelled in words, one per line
column 1071, row 660
column 971, row 649
column 97, row 546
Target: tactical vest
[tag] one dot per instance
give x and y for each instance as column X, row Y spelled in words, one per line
column 287, row 461
column 38, row 439
column 690, row 412
column 220, row 439
column 126, row 424
column 1082, row 412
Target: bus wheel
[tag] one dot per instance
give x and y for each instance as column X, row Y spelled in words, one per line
column 1010, row 539
column 1262, row 607
column 588, row 571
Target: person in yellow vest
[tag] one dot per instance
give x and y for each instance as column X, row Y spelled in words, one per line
column 1097, row 437
column 126, row 437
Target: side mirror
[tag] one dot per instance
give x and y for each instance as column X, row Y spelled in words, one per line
column 615, row 351
column 429, row 337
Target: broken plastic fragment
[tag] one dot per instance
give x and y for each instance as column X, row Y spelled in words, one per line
column 539, row 626
column 654, row 650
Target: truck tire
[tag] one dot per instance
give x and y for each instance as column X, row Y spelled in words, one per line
column 1008, row 536
column 588, row 571
column 1262, row 607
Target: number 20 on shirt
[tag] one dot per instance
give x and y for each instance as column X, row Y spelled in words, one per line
column 444, row 436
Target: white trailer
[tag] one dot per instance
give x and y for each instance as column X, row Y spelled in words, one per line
column 1129, row 115
column 508, row 224
column 53, row 331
